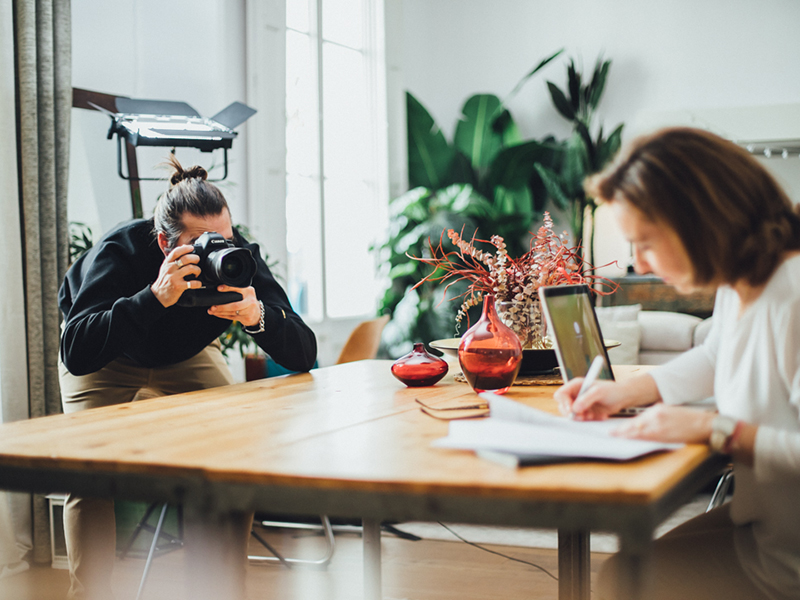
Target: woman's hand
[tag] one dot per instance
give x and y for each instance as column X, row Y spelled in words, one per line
column 605, row 398
column 171, row 282
column 247, row 310
column 663, row 423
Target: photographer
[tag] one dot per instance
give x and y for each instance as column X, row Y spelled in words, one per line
column 128, row 333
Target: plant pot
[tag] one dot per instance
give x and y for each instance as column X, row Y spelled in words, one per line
column 255, row 367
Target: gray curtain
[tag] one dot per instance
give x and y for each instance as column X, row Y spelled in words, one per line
column 44, row 101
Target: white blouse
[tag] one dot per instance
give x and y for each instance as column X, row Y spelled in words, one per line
column 751, row 365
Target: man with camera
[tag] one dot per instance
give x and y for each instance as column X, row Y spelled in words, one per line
column 142, row 313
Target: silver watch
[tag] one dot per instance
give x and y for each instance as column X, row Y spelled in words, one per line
column 722, row 429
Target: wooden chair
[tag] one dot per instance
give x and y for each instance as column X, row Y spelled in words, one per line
column 364, row 341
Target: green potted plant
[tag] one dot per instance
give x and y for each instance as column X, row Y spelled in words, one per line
column 583, row 153
column 485, row 179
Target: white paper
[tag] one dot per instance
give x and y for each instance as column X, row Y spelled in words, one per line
column 515, row 428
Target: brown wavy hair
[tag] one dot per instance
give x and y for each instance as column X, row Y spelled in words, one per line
column 189, row 192
column 732, row 217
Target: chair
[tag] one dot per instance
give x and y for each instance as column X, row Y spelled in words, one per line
column 158, row 533
column 361, row 344
column 724, row 483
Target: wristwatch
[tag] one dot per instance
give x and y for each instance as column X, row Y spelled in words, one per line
column 722, row 429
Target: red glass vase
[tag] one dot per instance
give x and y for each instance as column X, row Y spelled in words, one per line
column 490, row 352
column 419, row 368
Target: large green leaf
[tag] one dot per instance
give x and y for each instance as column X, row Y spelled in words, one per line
column 530, row 74
column 560, row 101
column 475, row 134
column 588, row 145
column 552, row 183
column 606, row 149
column 575, row 166
column 598, row 84
column 429, row 156
column 513, row 167
column 574, row 86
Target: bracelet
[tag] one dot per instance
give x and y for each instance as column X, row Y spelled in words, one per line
column 260, row 322
column 733, row 438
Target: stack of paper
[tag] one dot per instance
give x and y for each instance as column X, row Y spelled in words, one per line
column 519, row 434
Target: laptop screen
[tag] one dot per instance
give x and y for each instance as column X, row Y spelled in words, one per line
column 572, row 323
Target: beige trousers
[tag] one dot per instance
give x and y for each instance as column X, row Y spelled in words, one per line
column 694, row 561
column 89, row 523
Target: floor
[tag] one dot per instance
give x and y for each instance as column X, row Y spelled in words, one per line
column 412, row 570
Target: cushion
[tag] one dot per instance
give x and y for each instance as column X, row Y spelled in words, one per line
column 629, row 312
column 620, row 323
column 670, row 331
column 628, row 333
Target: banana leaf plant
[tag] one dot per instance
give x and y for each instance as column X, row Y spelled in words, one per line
column 583, row 154
column 483, row 183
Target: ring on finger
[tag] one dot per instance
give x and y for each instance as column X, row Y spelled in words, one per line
column 179, row 263
column 237, row 313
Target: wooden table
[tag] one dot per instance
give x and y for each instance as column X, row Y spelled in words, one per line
column 348, row 441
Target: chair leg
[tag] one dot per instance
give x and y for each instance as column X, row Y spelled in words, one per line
column 289, row 562
column 718, row 497
column 152, row 551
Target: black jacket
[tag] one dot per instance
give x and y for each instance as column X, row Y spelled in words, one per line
column 110, row 311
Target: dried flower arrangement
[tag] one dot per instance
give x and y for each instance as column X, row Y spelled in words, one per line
column 513, row 281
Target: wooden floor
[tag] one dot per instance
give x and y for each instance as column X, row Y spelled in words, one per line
column 412, row 570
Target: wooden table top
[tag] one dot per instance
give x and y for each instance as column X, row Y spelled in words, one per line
column 350, row 427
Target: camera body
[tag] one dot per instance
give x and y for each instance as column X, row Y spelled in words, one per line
column 221, row 263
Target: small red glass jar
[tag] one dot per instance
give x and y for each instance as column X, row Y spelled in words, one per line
column 419, row 368
column 490, row 353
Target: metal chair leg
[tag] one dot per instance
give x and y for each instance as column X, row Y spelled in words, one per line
column 152, row 551
column 289, row 562
column 718, row 497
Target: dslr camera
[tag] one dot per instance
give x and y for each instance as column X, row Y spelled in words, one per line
column 221, row 263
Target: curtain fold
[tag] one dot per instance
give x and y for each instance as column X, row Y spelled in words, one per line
column 44, row 102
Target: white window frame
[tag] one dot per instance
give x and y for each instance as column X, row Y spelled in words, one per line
column 266, row 141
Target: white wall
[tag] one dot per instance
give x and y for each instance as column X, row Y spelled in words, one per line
column 188, row 50
column 667, row 56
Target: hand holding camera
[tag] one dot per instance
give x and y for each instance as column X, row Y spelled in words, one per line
column 221, row 264
column 171, row 283
column 191, row 275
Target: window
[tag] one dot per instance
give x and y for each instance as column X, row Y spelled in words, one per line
column 336, row 171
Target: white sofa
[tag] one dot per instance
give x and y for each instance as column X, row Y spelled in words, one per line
column 649, row 337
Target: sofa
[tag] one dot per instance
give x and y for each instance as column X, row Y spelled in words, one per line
column 649, row 337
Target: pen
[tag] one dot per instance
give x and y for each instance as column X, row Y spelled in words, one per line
column 591, row 377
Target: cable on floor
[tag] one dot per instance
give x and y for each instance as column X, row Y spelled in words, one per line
column 541, row 568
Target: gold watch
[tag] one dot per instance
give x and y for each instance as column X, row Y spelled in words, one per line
column 722, row 429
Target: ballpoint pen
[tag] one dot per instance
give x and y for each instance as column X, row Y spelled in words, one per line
column 591, row 377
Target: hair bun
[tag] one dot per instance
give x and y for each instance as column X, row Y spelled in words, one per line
column 180, row 174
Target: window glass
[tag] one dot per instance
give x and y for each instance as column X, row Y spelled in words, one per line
column 298, row 15
column 343, row 22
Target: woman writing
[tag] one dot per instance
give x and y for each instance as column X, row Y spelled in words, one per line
column 701, row 213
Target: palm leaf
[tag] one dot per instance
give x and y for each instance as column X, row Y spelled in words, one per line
column 475, row 135
column 560, row 101
column 429, row 156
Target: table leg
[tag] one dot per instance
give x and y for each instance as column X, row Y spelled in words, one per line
column 371, row 537
column 215, row 554
column 573, row 565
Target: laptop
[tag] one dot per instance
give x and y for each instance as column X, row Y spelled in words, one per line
column 572, row 324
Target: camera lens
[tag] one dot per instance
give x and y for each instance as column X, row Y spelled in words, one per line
column 232, row 266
